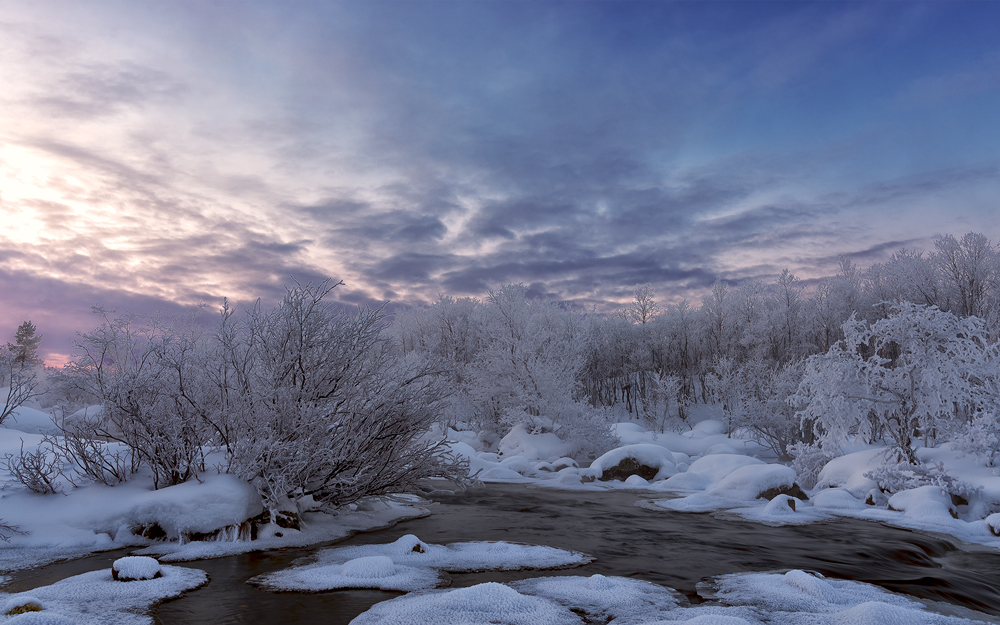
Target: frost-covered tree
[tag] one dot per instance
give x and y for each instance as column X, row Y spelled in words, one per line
column 318, row 402
column 18, row 383
column 969, row 270
column 25, row 347
column 143, row 370
column 921, row 371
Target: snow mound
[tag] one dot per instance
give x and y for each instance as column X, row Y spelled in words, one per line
column 375, row 572
column 848, row 472
column 604, row 597
column 217, row 502
column 718, row 466
column 744, row 599
column 751, row 481
column 411, row 564
column 534, row 447
column 687, row 481
column 500, row 474
column 95, row 598
column 484, row 603
column 657, row 458
column 836, row 499
column 710, row 426
column 134, row 568
column 924, row 502
column 30, row 421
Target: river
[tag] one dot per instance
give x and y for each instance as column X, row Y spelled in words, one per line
column 669, row 548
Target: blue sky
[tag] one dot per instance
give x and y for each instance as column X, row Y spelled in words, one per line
column 156, row 155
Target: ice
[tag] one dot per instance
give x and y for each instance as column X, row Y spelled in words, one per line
column 95, row 598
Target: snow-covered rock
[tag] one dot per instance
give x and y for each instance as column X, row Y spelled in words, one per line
column 753, row 481
column 848, row 472
column 95, row 598
column 135, row 568
column 651, row 462
column 925, row 503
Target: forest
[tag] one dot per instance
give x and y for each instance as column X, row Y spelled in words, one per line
column 311, row 399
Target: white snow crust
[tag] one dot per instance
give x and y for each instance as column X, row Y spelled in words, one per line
column 653, row 456
column 411, row 564
column 136, row 567
column 795, row 597
column 95, row 598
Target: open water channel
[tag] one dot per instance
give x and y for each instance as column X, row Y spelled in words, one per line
column 669, row 548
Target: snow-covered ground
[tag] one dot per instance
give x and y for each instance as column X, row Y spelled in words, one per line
column 794, row 597
column 411, row 564
column 93, row 517
column 96, row 598
column 704, row 470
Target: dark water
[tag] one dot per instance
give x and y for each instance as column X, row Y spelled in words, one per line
column 670, row 548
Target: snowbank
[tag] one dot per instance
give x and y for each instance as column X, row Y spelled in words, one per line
column 848, row 472
column 95, row 598
column 411, row 564
column 746, row 599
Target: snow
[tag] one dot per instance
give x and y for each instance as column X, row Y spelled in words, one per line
column 748, row 598
column 926, row 502
column 411, row 564
column 602, row 596
column 652, row 456
column 95, row 598
column 376, row 572
column 836, row 499
column 716, row 467
column 848, row 472
column 545, row 446
column 748, row 482
column 136, row 568
column 30, row 421
column 484, row 603
column 95, row 517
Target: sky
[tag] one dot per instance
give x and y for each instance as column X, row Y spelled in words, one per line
column 158, row 155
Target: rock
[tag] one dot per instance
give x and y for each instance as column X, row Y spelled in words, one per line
column 24, row 608
column 153, row 531
column 792, row 491
column 135, row 568
column 627, row 468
